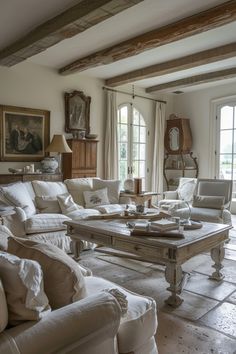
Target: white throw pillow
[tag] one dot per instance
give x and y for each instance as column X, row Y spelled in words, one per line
column 3, row 308
column 63, row 280
column 23, row 284
column 67, row 204
column 95, row 198
column 77, row 186
column 51, row 189
column 47, row 204
column 186, row 190
column 113, row 188
column 18, row 195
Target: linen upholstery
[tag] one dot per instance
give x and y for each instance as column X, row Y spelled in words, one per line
column 23, row 284
column 138, row 325
column 63, row 280
column 113, row 188
column 52, row 189
column 3, row 309
column 186, row 189
column 4, row 234
column 215, row 187
column 77, row 186
column 88, row 326
column 45, row 223
column 47, row 204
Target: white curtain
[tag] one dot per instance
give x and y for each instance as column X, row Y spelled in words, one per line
column 111, row 140
column 158, row 156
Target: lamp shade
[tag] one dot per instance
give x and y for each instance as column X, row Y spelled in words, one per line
column 58, row 144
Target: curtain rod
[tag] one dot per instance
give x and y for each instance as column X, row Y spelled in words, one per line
column 133, row 95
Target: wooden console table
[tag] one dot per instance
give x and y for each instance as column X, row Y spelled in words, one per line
column 171, row 252
column 27, row 177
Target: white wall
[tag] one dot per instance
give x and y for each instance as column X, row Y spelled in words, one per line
column 197, row 107
column 33, row 86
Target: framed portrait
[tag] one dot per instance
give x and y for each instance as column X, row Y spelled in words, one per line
column 77, row 111
column 24, row 133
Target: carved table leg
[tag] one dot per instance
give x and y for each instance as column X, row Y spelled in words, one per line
column 174, row 276
column 76, row 248
column 217, row 255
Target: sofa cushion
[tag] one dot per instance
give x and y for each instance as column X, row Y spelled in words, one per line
column 51, row 189
column 76, row 187
column 212, row 202
column 67, row 204
column 63, row 280
column 45, row 223
column 82, row 214
column 23, row 284
column 47, row 204
column 95, row 198
column 139, row 323
column 4, row 234
column 3, row 308
column 18, row 194
column 113, row 188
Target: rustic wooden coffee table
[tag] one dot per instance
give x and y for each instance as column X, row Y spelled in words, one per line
column 171, row 252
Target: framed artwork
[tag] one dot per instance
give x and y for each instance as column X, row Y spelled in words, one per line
column 77, row 111
column 25, row 133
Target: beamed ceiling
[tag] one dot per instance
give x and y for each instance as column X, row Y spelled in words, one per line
column 160, row 45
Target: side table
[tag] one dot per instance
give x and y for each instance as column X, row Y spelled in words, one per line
column 140, row 198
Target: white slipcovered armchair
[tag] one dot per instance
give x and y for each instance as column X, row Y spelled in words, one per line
column 208, row 200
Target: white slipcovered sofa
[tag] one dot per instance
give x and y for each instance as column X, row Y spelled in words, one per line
column 50, row 304
column 42, row 207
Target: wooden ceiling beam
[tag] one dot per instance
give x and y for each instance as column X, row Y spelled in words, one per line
column 189, row 26
column 202, row 58
column 194, row 80
column 74, row 20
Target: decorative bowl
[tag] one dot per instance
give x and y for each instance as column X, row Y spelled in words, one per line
column 91, row 136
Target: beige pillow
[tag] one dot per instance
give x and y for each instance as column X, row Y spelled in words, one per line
column 4, row 234
column 95, row 198
column 77, row 186
column 113, row 188
column 47, row 204
column 211, row 202
column 3, row 309
column 67, row 204
column 23, row 284
column 63, row 280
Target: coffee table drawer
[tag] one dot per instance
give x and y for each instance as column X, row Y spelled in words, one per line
column 139, row 249
column 103, row 239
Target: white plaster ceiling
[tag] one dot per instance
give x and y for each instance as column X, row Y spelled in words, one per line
column 19, row 17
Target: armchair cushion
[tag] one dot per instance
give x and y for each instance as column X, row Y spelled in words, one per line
column 63, row 280
column 4, row 234
column 23, row 284
column 212, row 202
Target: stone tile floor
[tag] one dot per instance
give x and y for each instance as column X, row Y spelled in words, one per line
column 205, row 323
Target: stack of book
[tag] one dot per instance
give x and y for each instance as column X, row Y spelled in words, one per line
column 163, row 225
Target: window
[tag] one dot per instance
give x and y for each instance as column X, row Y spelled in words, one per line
column 131, row 143
column 226, row 142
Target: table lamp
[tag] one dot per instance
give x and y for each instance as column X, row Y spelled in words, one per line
column 59, row 145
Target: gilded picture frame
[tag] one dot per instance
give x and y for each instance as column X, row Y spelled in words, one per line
column 77, row 112
column 25, row 133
